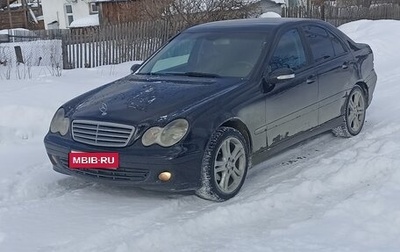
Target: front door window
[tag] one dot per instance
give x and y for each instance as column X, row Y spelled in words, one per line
column 289, row 52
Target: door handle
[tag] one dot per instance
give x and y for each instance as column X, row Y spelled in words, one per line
column 311, row 79
column 345, row 65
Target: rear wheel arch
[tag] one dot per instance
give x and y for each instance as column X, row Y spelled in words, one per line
column 364, row 87
column 354, row 111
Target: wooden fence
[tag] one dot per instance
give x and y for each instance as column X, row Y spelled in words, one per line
column 340, row 15
column 115, row 44
column 97, row 46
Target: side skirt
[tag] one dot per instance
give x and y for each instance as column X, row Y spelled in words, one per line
column 262, row 155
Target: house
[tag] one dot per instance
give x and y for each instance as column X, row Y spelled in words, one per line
column 265, row 6
column 120, row 11
column 18, row 3
column 20, row 14
column 60, row 14
column 79, row 13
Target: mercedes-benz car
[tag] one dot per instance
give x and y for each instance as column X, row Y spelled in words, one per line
column 213, row 101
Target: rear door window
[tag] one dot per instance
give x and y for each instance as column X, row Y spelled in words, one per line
column 320, row 42
column 338, row 46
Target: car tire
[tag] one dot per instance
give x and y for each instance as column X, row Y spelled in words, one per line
column 354, row 114
column 224, row 166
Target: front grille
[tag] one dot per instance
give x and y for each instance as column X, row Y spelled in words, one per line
column 117, row 175
column 104, row 134
column 121, row 174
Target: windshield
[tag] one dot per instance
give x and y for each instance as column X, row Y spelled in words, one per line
column 210, row 54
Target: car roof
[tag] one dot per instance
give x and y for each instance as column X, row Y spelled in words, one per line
column 251, row 24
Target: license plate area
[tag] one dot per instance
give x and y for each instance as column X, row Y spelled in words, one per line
column 93, row 160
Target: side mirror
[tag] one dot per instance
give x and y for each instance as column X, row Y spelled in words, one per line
column 275, row 77
column 280, row 75
column 135, row 67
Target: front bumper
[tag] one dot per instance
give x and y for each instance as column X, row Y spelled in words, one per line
column 139, row 166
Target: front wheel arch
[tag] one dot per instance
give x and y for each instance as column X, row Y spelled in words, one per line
column 242, row 128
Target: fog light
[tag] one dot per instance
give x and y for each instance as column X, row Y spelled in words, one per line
column 165, row 176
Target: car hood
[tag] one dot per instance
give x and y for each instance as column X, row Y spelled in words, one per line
column 136, row 99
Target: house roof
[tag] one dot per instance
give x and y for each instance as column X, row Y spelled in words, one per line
column 92, row 20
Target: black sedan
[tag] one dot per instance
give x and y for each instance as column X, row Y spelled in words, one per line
column 213, row 101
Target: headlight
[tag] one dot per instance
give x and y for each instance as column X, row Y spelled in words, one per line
column 59, row 123
column 167, row 136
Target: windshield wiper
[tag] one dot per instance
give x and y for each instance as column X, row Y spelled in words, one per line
column 190, row 74
column 200, row 74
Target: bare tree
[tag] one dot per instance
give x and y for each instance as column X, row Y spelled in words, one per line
column 198, row 11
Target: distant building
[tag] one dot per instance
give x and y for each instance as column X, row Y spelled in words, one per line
column 21, row 14
column 59, row 14
column 271, row 6
column 64, row 14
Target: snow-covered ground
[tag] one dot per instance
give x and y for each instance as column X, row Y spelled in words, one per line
column 328, row 194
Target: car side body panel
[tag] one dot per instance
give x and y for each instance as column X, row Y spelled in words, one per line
column 292, row 107
column 335, row 78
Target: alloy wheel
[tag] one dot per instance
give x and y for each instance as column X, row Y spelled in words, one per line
column 355, row 111
column 229, row 165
